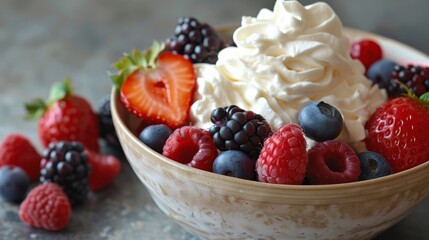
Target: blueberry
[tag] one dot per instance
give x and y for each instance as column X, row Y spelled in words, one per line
column 380, row 72
column 14, row 183
column 155, row 136
column 372, row 165
column 320, row 121
column 235, row 163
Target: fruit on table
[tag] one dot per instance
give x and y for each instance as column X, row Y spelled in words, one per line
column 155, row 136
column 196, row 41
column 14, row 183
column 399, row 131
column 65, row 117
column 331, row 162
column 104, row 170
column 367, row 51
column 46, row 206
column 106, row 128
column 192, row 146
column 156, row 86
column 237, row 129
column 235, row 163
column 373, row 165
column 17, row 150
column 283, row 158
column 66, row 164
column 320, row 121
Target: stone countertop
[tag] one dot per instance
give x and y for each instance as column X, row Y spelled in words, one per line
column 44, row 41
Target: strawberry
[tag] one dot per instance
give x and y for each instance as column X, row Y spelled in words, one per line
column 65, row 117
column 104, row 169
column 156, row 86
column 399, row 131
column 16, row 149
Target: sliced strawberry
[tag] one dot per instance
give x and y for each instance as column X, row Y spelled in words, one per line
column 158, row 91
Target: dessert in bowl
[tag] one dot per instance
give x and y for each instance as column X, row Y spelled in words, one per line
column 215, row 206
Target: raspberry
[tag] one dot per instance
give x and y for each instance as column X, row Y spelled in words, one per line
column 196, row 41
column 192, row 146
column 332, row 162
column 237, row 129
column 46, row 206
column 66, row 164
column 17, row 150
column 367, row 51
column 283, row 158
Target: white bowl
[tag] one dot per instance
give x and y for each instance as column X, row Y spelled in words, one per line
column 220, row 207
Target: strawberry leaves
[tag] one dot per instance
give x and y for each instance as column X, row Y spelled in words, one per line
column 136, row 60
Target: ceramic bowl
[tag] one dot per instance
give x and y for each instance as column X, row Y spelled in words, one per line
column 214, row 206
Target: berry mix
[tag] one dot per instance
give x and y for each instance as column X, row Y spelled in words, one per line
column 50, row 184
column 158, row 86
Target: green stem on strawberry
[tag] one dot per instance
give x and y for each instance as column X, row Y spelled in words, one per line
column 38, row 106
column 137, row 60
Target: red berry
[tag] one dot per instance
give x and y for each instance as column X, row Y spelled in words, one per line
column 332, row 162
column 399, row 131
column 192, row 146
column 283, row 158
column 104, row 170
column 158, row 90
column 66, row 117
column 17, row 150
column 367, row 51
column 47, row 207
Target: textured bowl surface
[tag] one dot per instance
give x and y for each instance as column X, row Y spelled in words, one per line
column 220, row 207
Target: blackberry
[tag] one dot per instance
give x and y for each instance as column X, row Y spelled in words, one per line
column 66, row 164
column 237, row 129
column 415, row 77
column 105, row 122
column 196, row 41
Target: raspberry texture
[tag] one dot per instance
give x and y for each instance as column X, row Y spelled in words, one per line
column 192, row 146
column 237, row 129
column 283, row 158
column 16, row 149
column 196, row 41
column 47, row 207
column 66, row 164
column 332, row 162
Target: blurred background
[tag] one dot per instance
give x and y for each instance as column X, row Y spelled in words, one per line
column 43, row 41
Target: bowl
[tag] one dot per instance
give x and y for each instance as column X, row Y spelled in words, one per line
column 214, row 206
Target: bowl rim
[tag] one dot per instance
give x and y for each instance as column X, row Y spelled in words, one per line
column 244, row 185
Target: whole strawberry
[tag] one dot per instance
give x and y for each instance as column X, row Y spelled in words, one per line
column 104, row 170
column 16, row 149
column 47, row 207
column 283, row 158
column 65, row 117
column 399, row 131
column 156, row 86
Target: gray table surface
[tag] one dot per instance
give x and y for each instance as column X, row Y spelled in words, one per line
column 44, row 41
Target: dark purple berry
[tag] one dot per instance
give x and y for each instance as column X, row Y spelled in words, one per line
column 373, row 165
column 107, row 129
column 196, row 41
column 236, row 164
column 14, row 183
column 414, row 77
column 320, row 121
column 155, row 136
column 66, row 164
column 237, row 129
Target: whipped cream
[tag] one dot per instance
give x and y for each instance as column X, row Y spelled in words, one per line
column 284, row 59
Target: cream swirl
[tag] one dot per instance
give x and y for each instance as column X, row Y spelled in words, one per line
column 284, row 59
